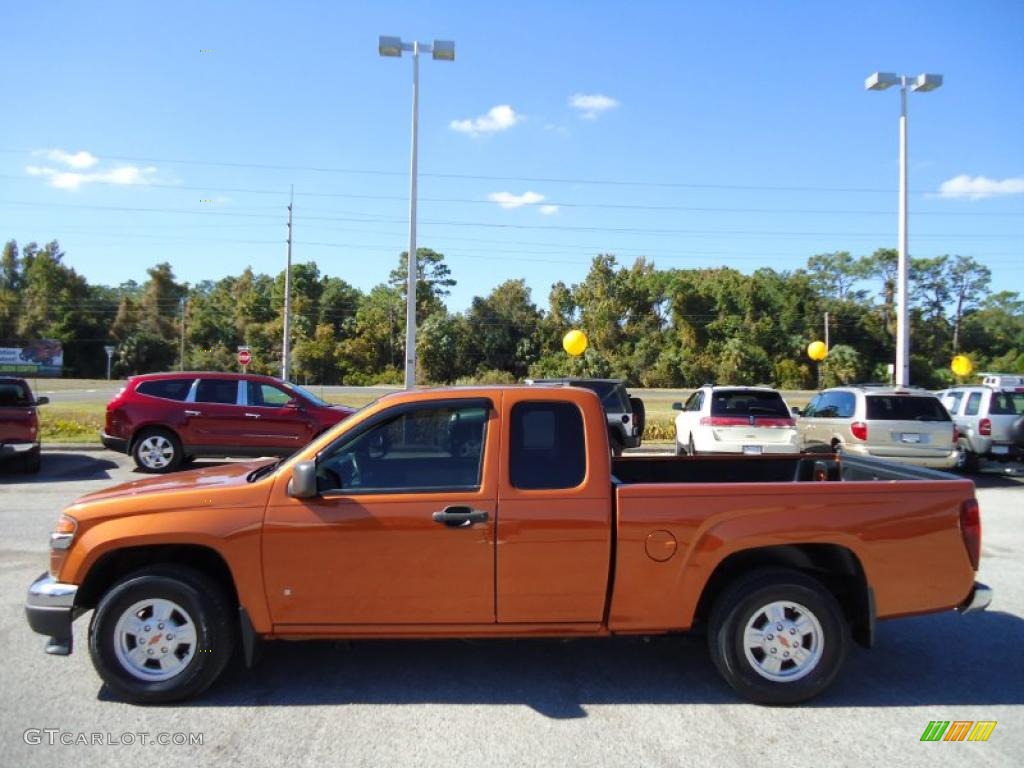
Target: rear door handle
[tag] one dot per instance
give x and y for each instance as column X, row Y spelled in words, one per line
column 460, row 517
column 252, row 415
column 193, row 413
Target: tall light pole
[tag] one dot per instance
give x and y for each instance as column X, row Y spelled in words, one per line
column 879, row 81
column 286, row 345
column 441, row 50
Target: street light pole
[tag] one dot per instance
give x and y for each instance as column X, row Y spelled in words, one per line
column 879, row 81
column 441, row 50
column 286, row 346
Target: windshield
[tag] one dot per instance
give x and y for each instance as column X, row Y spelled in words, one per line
column 748, row 402
column 904, row 408
column 307, row 395
column 14, row 394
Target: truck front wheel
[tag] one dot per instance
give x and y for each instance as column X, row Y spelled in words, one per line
column 161, row 634
column 778, row 637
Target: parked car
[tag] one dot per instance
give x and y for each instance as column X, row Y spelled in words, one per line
column 166, row 419
column 989, row 417
column 908, row 425
column 19, row 423
column 733, row 419
column 518, row 525
column 626, row 415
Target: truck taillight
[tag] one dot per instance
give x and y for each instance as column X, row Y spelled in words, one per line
column 985, row 427
column 956, row 434
column 859, row 429
column 970, row 528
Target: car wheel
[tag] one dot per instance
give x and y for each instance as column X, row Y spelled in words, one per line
column 33, row 461
column 615, row 446
column 157, row 451
column 778, row 637
column 967, row 461
column 162, row 634
column 691, row 448
column 680, row 451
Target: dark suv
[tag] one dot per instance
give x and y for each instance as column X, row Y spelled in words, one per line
column 626, row 415
column 165, row 419
column 19, row 422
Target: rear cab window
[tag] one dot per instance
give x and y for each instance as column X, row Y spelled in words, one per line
column 548, row 447
column 167, row 389
column 905, row 408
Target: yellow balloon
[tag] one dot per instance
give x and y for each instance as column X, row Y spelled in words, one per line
column 962, row 365
column 817, row 351
column 575, row 343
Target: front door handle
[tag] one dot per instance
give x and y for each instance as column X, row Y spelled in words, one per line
column 252, row 415
column 460, row 517
column 193, row 413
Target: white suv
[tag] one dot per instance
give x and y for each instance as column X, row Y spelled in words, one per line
column 752, row 420
column 990, row 417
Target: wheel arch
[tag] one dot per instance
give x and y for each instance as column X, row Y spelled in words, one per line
column 836, row 567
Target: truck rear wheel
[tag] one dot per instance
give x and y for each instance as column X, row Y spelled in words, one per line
column 778, row 637
column 161, row 634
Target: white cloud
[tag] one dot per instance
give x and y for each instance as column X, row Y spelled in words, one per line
column 548, row 210
column 499, row 118
column 590, row 105
column 78, row 160
column 978, row 187
column 509, row 200
column 123, row 175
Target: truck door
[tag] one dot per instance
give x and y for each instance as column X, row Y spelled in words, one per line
column 403, row 529
column 554, row 512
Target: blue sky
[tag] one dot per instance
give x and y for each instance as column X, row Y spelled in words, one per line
column 703, row 135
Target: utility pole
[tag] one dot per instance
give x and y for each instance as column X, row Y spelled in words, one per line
column 286, row 347
column 181, row 363
column 826, row 332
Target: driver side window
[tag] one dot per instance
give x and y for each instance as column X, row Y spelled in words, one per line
column 431, row 448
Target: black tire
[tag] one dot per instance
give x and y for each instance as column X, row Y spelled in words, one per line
column 968, row 462
column 211, row 616
column 157, row 451
column 680, row 451
column 615, row 445
column 639, row 415
column 744, row 602
column 33, row 461
column 691, row 449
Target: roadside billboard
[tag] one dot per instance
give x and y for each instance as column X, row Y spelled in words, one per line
column 44, row 357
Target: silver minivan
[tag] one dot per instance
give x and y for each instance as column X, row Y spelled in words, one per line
column 906, row 425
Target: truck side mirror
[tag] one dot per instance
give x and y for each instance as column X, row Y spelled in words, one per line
column 795, row 410
column 677, row 406
column 42, row 400
column 303, row 482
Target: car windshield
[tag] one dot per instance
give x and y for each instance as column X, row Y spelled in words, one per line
column 905, row 408
column 748, row 402
column 14, row 394
column 306, row 395
column 1006, row 403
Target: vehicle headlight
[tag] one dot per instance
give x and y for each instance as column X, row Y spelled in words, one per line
column 64, row 532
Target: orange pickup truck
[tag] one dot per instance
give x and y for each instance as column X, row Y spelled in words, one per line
column 497, row 511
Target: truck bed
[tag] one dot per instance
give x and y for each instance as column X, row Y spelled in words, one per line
column 807, row 467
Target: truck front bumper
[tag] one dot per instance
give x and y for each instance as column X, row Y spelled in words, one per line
column 978, row 600
column 50, row 609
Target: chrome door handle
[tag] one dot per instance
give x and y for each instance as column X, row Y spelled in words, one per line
column 193, row 413
column 252, row 415
column 460, row 517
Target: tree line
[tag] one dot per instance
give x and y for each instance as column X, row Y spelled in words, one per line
column 652, row 327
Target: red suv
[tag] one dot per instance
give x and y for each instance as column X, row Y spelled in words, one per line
column 19, row 423
column 165, row 419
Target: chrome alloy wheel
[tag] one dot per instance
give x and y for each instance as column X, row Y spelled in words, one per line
column 155, row 452
column 783, row 641
column 155, row 639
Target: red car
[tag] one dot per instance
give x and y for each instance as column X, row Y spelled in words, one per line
column 19, row 423
column 166, row 419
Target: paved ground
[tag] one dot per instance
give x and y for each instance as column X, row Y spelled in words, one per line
column 617, row 702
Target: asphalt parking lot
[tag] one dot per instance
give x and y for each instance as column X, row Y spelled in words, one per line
column 629, row 701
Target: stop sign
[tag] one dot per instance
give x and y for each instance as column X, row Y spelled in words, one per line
column 244, row 357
